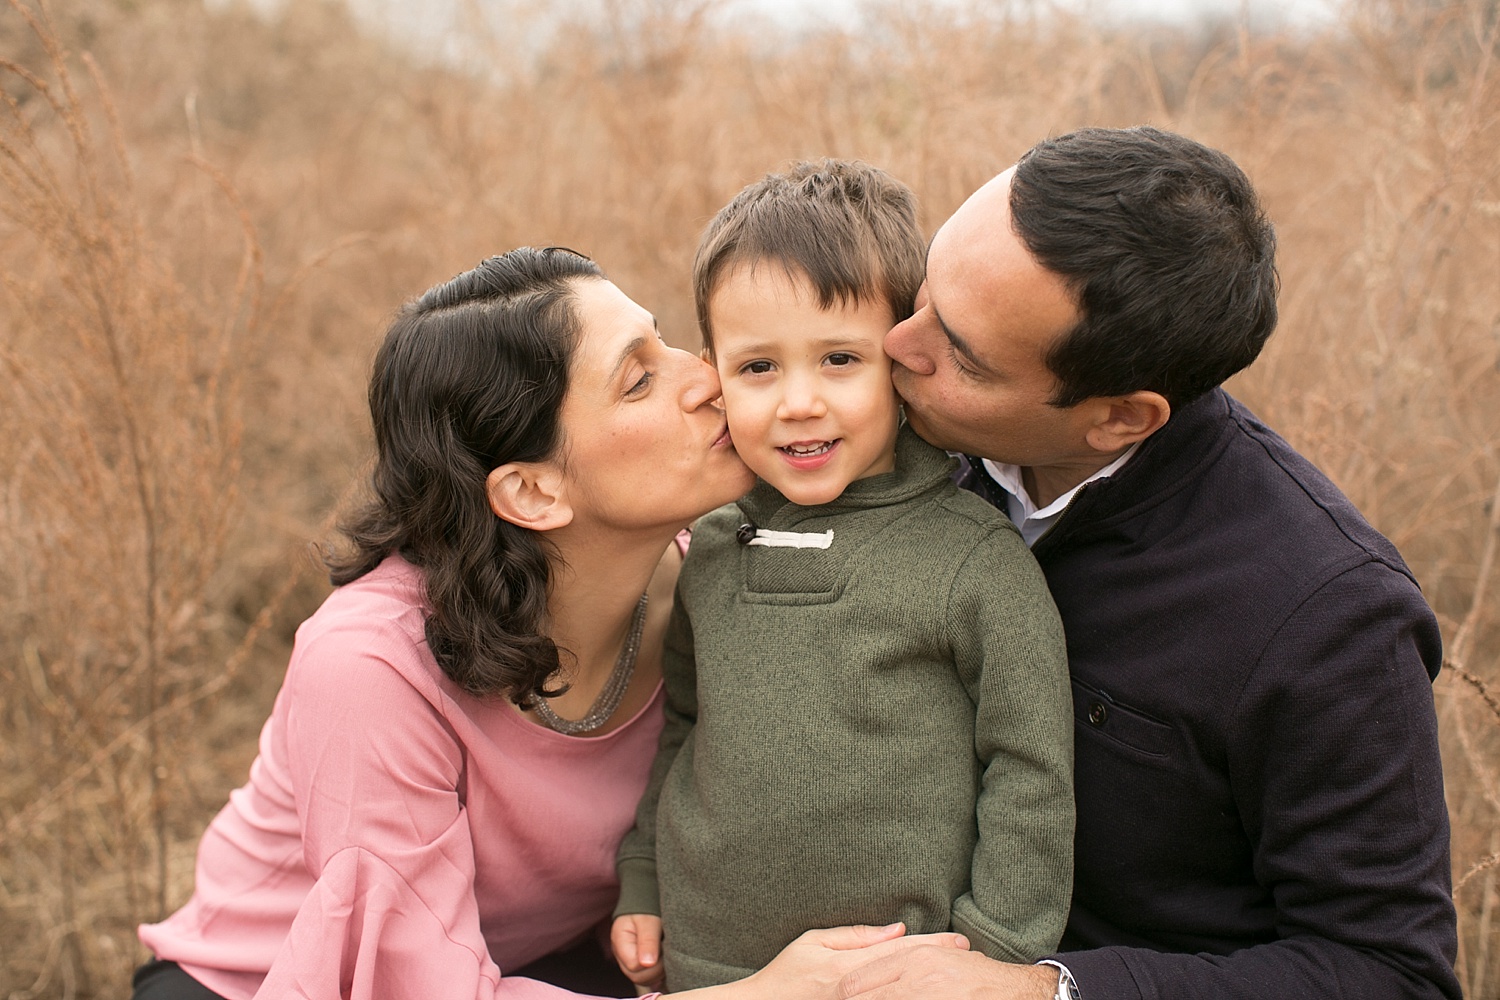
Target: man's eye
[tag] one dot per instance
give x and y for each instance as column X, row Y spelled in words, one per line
column 641, row 384
column 957, row 361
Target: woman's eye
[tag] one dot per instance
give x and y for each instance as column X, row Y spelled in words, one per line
column 641, row 384
column 756, row 368
column 841, row 359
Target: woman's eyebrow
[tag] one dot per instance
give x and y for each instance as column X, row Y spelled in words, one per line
column 630, row 348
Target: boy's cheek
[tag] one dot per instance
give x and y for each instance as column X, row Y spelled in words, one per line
column 743, row 413
column 748, row 436
column 759, row 461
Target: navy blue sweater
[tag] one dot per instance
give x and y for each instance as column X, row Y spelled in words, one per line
column 1260, row 799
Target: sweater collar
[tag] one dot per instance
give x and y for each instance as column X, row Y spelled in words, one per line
column 919, row 468
column 1166, row 462
column 1189, row 436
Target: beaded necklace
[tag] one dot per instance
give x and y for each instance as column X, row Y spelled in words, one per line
column 614, row 688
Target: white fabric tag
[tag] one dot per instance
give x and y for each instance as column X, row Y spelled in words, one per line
column 792, row 539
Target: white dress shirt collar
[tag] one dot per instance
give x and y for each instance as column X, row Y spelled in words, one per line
column 1034, row 522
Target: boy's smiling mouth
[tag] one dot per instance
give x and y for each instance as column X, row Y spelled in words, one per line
column 808, row 455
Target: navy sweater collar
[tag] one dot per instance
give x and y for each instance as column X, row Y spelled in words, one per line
column 1166, row 462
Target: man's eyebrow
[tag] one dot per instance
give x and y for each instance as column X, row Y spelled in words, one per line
column 630, row 348
column 959, row 344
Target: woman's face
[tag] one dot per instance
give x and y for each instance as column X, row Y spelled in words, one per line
column 644, row 444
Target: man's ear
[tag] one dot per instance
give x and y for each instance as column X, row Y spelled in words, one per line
column 1124, row 420
column 529, row 495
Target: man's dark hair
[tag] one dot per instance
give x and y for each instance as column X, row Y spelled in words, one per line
column 1164, row 243
column 850, row 228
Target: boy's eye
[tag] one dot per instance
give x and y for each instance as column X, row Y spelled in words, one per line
column 756, row 368
column 841, row 359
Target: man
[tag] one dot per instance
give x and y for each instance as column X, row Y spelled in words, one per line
column 1260, row 803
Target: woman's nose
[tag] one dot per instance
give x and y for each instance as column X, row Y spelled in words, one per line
column 700, row 381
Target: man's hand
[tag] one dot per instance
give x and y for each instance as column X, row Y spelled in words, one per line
column 811, row 966
column 636, row 940
column 927, row 973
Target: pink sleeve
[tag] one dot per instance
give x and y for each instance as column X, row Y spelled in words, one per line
column 376, row 771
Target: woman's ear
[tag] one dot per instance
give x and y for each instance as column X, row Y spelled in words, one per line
column 1128, row 419
column 529, row 495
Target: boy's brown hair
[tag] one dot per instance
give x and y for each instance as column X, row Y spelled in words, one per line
column 850, row 228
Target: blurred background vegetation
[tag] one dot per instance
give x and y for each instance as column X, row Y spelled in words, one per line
column 209, row 213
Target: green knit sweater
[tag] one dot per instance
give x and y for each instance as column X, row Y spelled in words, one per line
column 880, row 730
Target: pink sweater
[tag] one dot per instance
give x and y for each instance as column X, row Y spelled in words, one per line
column 399, row 838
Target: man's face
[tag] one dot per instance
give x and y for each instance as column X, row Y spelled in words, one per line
column 970, row 361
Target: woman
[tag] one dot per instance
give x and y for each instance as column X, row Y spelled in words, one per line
column 467, row 722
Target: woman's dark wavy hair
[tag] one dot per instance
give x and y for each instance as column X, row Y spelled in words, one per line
column 471, row 375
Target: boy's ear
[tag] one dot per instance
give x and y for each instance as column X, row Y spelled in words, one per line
column 1124, row 420
column 529, row 495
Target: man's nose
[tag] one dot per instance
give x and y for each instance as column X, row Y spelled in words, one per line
column 904, row 345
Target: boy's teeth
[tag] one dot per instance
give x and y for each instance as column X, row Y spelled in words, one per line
column 816, row 449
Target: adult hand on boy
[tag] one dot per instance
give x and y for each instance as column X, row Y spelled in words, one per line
column 636, row 940
column 810, row 968
column 928, row 973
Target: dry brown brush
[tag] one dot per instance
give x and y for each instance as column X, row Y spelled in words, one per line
column 207, row 216
column 121, row 451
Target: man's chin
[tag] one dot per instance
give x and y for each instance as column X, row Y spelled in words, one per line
column 924, row 430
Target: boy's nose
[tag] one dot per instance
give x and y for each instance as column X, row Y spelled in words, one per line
column 800, row 400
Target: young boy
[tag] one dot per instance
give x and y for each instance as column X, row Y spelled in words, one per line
column 869, row 717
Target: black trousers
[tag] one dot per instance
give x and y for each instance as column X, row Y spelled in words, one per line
column 158, row 980
column 583, row 968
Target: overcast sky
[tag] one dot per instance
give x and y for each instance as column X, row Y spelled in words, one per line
column 1268, row 12
column 429, row 25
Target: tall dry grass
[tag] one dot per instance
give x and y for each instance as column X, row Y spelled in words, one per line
column 206, row 219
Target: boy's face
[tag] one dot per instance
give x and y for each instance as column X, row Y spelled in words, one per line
column 807, row 390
